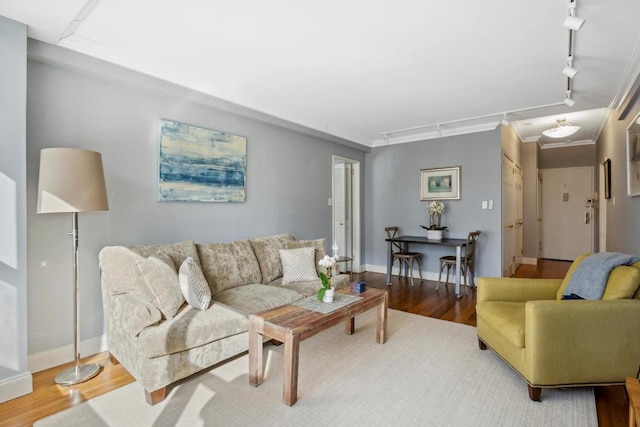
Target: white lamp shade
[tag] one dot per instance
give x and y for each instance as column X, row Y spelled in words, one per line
column 71, row 180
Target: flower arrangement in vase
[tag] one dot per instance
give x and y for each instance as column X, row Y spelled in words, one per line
column 326, row 292
column 434, row 212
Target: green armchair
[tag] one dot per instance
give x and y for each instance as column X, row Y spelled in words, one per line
column 562, row 343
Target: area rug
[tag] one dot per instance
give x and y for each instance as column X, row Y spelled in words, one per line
column 429, row 372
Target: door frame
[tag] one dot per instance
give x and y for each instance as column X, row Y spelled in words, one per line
column 602, row 211
column 355, row 209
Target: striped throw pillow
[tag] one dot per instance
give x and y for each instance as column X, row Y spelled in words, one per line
column 298, row 265
column 193, row 285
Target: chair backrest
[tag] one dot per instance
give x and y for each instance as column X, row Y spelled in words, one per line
column 393, row 232
column 470, row 250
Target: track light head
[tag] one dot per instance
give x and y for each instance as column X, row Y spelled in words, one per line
column 504, row 121
column 569, row 71
column 569, row 102
column 573, row 23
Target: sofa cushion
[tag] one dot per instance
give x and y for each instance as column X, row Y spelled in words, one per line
column 622, row 283
column 227, row 265
column 319, row 245
column 193, row 285
column 256, row 297
column 506, row 318
column 134, row 314
column 338, row 281
column 191, row 328
column 266, row 250
column 159, row 276
column 118, row 264
column 298, row 265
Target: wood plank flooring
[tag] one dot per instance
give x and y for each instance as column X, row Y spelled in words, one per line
column 49, row 398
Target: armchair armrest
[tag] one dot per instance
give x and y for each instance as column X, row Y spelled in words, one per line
column 133, row 314
column 516, row 289
column 582, row 341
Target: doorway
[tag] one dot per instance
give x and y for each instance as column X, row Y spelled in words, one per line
column 567, row 212
column 346, row 209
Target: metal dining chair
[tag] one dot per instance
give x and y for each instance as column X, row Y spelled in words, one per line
column 467, row 263
column 405, row 258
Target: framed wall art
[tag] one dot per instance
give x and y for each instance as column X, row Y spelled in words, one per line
column 440, row 183
column 200, row 165
column 633, row 157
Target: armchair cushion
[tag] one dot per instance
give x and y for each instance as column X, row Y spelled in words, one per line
column 622, row 283
column 507, row 318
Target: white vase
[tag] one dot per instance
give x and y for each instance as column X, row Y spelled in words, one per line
column 434, row 234
column 328, row 295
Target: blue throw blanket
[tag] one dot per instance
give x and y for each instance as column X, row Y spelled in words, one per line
column 590, row 277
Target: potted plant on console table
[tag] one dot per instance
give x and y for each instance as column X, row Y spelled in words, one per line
column 434, row 212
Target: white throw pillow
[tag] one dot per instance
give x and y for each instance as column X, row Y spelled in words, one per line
column 193, row 284
column 161, row 279
column 298, row 265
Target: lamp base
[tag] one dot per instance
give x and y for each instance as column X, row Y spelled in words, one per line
column 75, row 375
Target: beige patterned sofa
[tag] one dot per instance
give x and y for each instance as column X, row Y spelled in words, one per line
column 159, row 347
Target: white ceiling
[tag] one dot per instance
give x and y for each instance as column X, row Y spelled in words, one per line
column 361, row 69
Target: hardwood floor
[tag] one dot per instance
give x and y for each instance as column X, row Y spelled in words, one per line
column 49, row 398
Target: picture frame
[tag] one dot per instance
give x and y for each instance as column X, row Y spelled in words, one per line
column 633, row 157
column 440, row 183
column 200, row 165
column 607, row 178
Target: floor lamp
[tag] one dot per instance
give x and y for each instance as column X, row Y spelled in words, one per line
column 72, row 180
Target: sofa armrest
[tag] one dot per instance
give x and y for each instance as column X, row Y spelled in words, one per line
column 594, row 340
column 516, row 289
column 133, row 314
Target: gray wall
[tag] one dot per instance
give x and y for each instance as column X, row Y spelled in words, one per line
column 13, row 226
column 567, row 157
column 392, row 196
column 90, row 104
column 623, row 224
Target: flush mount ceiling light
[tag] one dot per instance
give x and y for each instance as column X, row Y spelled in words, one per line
column 562, row 129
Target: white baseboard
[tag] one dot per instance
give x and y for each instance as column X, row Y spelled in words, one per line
column 17, row 386
column 58, row 356
column 530, row 261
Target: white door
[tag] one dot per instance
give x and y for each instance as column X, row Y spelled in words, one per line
column 567, row 212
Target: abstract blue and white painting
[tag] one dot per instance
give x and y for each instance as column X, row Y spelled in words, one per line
column 201, row 165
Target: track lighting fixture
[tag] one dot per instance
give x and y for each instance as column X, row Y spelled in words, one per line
column 573, row 22
column 504, row 120
column 562, row 129
column 569, row 71
column 569, row 102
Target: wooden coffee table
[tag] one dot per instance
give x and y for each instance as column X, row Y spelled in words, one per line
column 291, row 324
